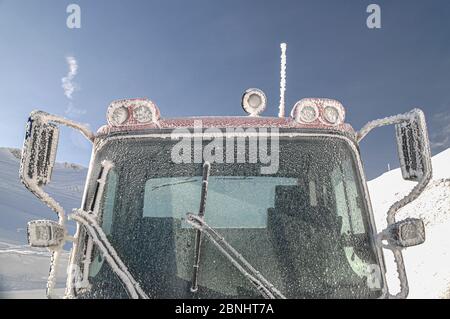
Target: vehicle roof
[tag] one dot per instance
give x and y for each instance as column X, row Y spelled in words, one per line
column 223, row 122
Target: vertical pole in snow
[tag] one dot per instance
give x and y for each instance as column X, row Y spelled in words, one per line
column 282, row 79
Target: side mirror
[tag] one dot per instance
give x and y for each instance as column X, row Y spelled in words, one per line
column 45, row 233
column 39, row 151
column 413, row 146
column 406, row 233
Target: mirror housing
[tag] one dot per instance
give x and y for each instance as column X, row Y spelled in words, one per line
column 39, row 151
column 45, row 234
column 406, row 233
column 413, row 146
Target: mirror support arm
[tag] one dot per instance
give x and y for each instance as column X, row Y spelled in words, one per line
column 46, row 117
column 414, row 193
column 390, row 120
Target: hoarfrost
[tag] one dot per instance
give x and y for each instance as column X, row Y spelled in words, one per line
column 267, row 289
column 426, row 265
column 111, row 256
column 282, row 79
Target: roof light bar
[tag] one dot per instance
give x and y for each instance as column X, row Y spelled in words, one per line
column 318, row 111
column 132, row 112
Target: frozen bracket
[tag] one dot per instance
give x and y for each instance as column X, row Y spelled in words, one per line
column 390, row 120
column 35, row 182
column 264, row 287
column 99, row 237
column 101, row 182
column 415, row 115
column 50, row 118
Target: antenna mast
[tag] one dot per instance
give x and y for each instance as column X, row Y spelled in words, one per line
column 282, row 79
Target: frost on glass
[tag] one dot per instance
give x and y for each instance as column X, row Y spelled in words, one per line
column 105, row 218
column 246, row 199
column 142, row 114
column 304, row 228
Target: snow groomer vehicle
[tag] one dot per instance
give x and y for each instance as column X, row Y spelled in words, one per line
column 226, row 207
column 200, row 208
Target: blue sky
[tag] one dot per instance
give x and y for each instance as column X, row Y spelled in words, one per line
column 197, row 57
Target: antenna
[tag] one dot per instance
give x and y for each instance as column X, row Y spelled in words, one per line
column 282, row 79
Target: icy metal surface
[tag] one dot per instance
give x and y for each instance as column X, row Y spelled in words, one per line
column 110, row 254
column 225, row 122
column 320, row 104
column 133, row 106
column 201, row 213
column 390, row 120
column 257, row 279
column 107, row 166
column 281, row 107
column 83, row 129
column 413, row 194
column 36, row 189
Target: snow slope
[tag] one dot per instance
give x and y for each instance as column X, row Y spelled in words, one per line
column 18, row 205
column 427, row 265
column 24, row 270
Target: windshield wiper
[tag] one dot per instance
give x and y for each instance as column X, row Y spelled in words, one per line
column 262, row 285
column 109, row 253
column 198, row 236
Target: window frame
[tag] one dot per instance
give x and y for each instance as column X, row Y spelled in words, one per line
column 79, row 251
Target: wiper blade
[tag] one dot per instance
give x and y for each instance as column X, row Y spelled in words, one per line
column 262, row 285
column 117, row 265
column 198, row 236
column 185, row 181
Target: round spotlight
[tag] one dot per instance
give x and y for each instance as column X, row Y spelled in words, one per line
column 117, row 115
column 308, row 113
column 132, row 112
column 144, row 111
column 331, row 115
column 142, row 114
column 254, row 101
column 316, row 111
column 305, row 112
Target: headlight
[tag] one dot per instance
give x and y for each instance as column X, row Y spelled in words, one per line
column 331, row 114
column 132, row 112
column 308, row 113
column 117, row 115
column 142, row 114
column 254, row 101
column 305, row 112
column 315, row 111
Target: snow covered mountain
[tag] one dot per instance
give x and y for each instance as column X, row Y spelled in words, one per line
column 427, row 265
column 18, row 206
column 24, row 270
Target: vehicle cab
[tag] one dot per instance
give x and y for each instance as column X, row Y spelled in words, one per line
column 226, row 207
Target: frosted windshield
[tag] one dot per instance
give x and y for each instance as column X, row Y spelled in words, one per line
column 233, row 201
column 305, row 228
